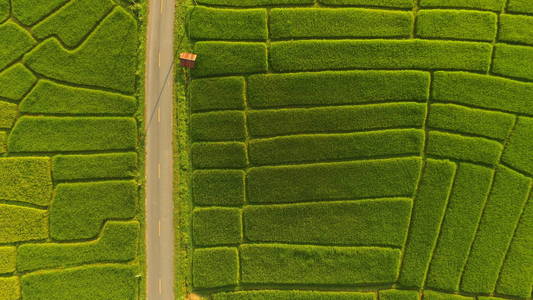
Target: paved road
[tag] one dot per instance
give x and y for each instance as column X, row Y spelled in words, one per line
column 159, row 200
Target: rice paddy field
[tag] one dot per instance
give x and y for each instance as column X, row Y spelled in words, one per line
column 356, row 149
column 71, row 152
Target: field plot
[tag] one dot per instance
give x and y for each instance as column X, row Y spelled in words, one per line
column 357, row 149
column 71, row 210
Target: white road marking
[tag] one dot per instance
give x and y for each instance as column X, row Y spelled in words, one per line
column 159, row 59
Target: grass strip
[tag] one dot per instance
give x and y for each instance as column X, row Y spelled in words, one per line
column 331, row 147
column 464, row 148
column 316, row 55
column 518, row 151
column 117, row 243
column 374, row 222
column 495, row 125
column 264, row 123
column 483, row 91
column 496, row 228
column 227, row 24
column 352, row 87
column 291, row 264
column 456, row 24
column 293, row 23
column 333, row 181
column 52, row 98
column 95, row 166
column 54, row 134
column 469, row 193
column 516, row 29
column 114, row 282
column 429, row 206
column 231, row 58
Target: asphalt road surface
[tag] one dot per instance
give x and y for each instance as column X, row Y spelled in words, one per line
column 158, row 116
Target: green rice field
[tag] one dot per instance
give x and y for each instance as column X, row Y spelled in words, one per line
column 71, row 150
column 356, row 149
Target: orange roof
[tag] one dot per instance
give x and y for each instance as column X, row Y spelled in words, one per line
column 188, row 56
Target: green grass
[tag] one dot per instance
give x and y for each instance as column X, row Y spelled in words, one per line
column 429, row 207
column 218, row 155
column 8, row 256
column 456, row 24
column 48, row 97
column 374, row 222
column 335, row 147
column 8, row 114
column 117, row 243
column 70, row 23
column 398, row 295
column 518, row 152
column 459, row 226
column 484, row 123
column 71, row 149
column 15, row 41
column 379, row 54
column 15, row 82
column 291, row 264
column 327, row 23
column 494, row 5
column 516, row 271
column 350, row 149
column 218, row 126
column 5, row 6
column 483, row 91
column 520, row 6
column 292, row 295
column 218, row 187
column 382, row 3
column 114, row 69
column 79, row 210
column 272, row 122
column 254, row 2
column 215, row 267
column 55, row 134
column 94, row 166
column 230, row 58
column 332, row 181
column 498, row 222
column 28, row 12
column 10, row 288
column 465, row 148
column 216, row 226
column 516, row 29
column 26, row 179
column 299, row 89
column 228, row 24
column 217, row 93
column 114, row 282
column 513, row 61
column 22, row 224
